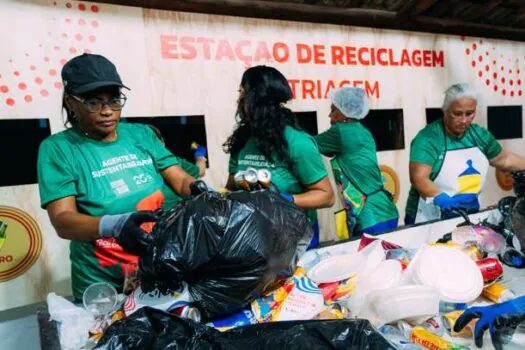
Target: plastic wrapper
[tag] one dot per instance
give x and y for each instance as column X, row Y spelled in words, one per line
column 228, row 248
column 153, row 329
column 162, row 301
column 517, row 218
column 74, row 322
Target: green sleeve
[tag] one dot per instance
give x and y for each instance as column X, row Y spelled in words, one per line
column 190, row 168
column 56, row 176
column 423, row 150
column 162, row 157
column 329, row 142
column 233, row 165
column 308, row 164
column 491, row 147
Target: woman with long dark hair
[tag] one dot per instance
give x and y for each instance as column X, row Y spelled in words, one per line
column 267, row 136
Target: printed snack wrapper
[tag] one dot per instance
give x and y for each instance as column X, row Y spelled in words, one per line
column 166, row 302
column 335, row 291
column 297, row 299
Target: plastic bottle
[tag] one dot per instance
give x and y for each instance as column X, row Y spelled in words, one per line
column 396, row 336
column 445, row 306
column 498, row 293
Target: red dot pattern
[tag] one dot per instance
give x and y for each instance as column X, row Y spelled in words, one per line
column 497, row 69
column 34, row 80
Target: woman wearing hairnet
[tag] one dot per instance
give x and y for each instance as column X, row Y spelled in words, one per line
column 369, row 207
column 449, row 160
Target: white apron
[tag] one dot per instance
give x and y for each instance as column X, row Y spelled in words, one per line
column 463, row 171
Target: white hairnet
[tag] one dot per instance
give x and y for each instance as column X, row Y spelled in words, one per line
column 352, row 102
column 456, row 92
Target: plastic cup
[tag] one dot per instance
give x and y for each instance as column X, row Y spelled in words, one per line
column 100, row 298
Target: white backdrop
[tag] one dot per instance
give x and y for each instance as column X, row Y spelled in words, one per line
column 188, row 64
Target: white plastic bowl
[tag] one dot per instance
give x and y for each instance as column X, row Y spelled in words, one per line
column 412, row 303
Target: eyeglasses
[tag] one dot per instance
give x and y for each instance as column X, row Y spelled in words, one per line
column 95, row 105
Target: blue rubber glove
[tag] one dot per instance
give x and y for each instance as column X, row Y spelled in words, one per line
column 466, row 201
column 126, row 230
column 500, row 319
column 444, row 201
column 201, row 151
column 287, row 197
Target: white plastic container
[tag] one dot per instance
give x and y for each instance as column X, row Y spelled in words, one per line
column 336, row 268
column 453, row 273
column 416, row 304
column 374, row 254
column 386, row 275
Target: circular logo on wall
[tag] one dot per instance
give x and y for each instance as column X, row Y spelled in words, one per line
column 390, row 181
column 504, row 180
column 20, row 242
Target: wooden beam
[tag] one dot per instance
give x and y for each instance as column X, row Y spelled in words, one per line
column 414, row 8
column 489, row 7
column 331, row 15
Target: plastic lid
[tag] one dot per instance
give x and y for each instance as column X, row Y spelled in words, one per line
column 386, row 275
column 374, row 254
column 336, row 268
column 100, row 298
column 452, row 272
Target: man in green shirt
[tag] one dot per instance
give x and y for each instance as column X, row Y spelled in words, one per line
column 449, row 160
column 101, row 181
column 369, row 207
column 267, row 136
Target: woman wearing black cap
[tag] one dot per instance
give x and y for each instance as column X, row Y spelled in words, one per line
column 101, row 180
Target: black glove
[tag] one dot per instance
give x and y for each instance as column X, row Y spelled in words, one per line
column 126, row 230
column 198, row 187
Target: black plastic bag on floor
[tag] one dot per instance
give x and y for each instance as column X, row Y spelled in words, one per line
column 153, row 329
column 228, row 248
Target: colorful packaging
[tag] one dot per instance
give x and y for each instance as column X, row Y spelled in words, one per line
column 102, row 323
column 334, row 311
column 297, row 299
column 338, row 290
column 166, row 302
column 188, row 312
column 491, row 269
column 240, row 319
column 367, row 239
column 449, row 320
column 428, row 340
column 403, row 255
column 498, row 293
column 473, row 252
column 435, row 325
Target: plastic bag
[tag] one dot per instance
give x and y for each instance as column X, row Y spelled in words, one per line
column 153, row 329
column 228, row 248
column 517, row 218
column 74, row 322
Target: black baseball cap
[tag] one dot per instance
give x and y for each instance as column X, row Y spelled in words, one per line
column 88, row 72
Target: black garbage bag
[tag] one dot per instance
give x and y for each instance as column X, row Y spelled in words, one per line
column 518, row 183
column 517, row 218
column 153, row 329
column 227, row 247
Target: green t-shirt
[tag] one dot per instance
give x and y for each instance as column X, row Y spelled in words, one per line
column 354, row 149
column 428, row 147
column 105, row 178
column 306, row 166
column 190, row 168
